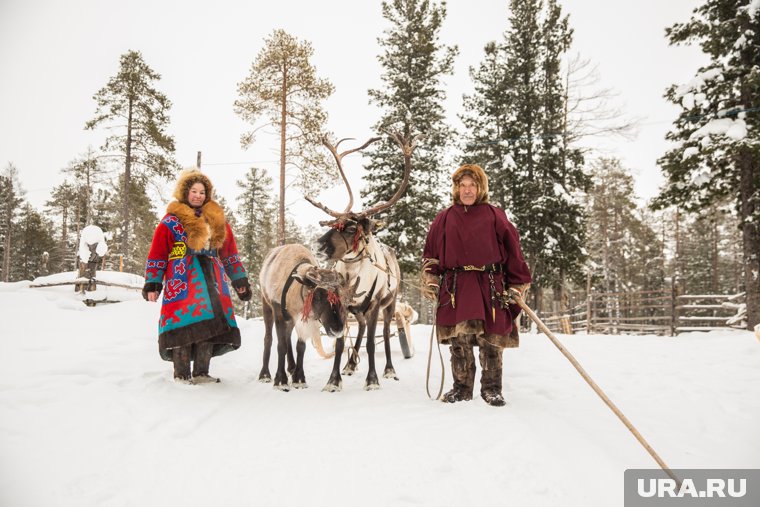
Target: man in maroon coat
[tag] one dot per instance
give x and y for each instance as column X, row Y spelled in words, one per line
column 472, row 256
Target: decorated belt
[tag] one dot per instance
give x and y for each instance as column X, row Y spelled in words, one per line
column 488, row 268
column 208, row 252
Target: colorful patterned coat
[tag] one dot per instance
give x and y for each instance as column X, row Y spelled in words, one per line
column 194, row 258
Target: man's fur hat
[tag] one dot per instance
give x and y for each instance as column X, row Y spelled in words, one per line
column 477, row 174
column 189, row 177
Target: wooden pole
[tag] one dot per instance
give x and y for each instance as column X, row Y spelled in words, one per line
column 198, row 160
column 518, row 299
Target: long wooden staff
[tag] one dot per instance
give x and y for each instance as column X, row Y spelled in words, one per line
column 517, row 298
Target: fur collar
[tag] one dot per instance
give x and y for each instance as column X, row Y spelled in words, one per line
column 209, row 228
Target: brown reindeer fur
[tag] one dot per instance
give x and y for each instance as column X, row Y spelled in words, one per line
column 273, row 277
column 475, row 327
column 208, row 229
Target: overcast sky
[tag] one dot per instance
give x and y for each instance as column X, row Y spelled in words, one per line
column 54, row 55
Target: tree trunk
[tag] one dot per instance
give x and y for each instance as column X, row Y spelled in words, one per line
column 127, row 178
column 748, row 192
column 64, row 237
column 678, row 244
column 88, row 194
column 7, row 245
column 714, row 283
column 283, row 125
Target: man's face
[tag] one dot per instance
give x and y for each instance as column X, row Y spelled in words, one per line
column 468, row 191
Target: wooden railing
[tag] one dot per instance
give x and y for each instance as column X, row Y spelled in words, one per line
column 664, row 312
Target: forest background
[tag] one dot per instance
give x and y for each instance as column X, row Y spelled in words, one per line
column 611, row 188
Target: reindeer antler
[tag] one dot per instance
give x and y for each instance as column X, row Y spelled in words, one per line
column 407, row 143
column 339, row 160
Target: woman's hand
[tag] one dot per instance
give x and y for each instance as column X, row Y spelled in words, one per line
column 243, row 289
column 150, row 291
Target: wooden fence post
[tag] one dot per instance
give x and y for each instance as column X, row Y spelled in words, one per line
column 674, row 293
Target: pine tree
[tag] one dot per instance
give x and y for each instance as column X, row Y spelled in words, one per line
column 60, row 209
column 11, row 197
column 284, row 90
column 709, row 261
column 33, row 237
column 647, row 264
column 143, row 221
column 414, row 63
column 87, row 175
column 717, row 136
column 137, row 114
column 487, row 112
column 625, row 253
column 256, row 227
column 517, row 128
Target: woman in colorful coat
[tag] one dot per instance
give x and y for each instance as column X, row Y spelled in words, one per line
column 192, row 258
column 472, row 256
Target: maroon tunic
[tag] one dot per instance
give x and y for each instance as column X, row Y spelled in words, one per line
column 475, row 235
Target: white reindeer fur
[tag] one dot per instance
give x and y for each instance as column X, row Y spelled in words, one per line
column 376, row 262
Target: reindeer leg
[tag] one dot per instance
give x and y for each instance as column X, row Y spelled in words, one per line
column 291, row 359
column 388, row 313
column 372, row 382
column 299, row 377
column 334, row 383
column 264, row 375
column 353, row 355
column 283, row 339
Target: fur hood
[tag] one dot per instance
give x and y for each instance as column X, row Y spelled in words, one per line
column 478, row 175
column 207, row 230
column 189, row 177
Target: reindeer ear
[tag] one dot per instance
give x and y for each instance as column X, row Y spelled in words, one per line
column 304, row 279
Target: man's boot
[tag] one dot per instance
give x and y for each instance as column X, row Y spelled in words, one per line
column 181, row 359
column 201, row 364
column 490, row 377
column 463, row 370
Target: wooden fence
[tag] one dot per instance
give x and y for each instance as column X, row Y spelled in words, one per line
column 664, row 312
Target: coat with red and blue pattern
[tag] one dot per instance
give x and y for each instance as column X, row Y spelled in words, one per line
column 197, row 304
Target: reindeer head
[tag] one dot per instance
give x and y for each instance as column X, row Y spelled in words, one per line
column 324, row 301
column 349, row 230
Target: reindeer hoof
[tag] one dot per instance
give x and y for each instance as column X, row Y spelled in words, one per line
column 265, row 378
column 282, row 387
column 371, row 387
column 390, row 373
column 349, row 369
column 332, row 388
column 300, row 385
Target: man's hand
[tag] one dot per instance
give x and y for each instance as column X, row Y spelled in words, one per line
column 517, row 291
column 430, row 291
column 429, row 283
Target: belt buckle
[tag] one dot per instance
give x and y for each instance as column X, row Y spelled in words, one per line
column 470, row 267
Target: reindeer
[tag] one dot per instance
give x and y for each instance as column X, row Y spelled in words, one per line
column 296, row 293
column 363, row 260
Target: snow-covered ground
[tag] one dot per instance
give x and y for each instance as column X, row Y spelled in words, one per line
column 90, row 416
